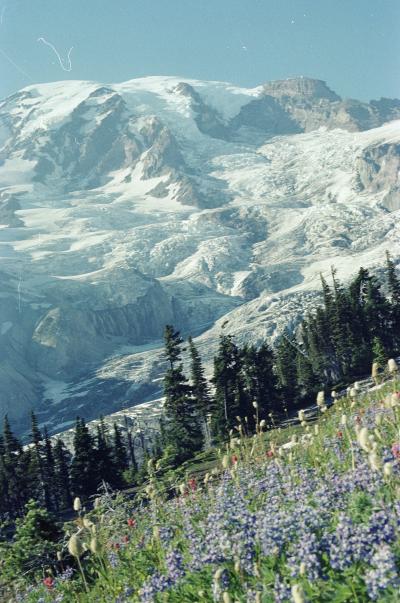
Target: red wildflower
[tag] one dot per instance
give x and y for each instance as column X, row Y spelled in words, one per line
column 269, row 453
column 358, row 419
column 339, row 434
column 131, row 522
column 48, row 582
column 117, row 546
column 192, row 484
column 125, row 539
column 234, row 458
column 396, row 450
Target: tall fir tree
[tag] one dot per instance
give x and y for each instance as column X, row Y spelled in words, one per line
column 84, row 475
column 199, row 384
column 183, row 431
column 61, row 475
column 120, row 455
column 231, row 400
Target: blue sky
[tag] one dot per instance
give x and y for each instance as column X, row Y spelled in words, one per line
column 353, row 44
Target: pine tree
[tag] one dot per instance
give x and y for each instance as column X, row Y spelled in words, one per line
column 61, row 474
column 200, row 388
column 106, row 467
column 49, row 472
column 260, row 380
column 183, row 432
column 379, row 354
column 13, row 461
column 230, row 397
column 41, row 491
column 120, row 456
column 393, row 281
column 84, row 474
column 286, row 369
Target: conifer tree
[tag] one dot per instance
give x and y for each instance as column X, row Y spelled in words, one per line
column 61, row 474
column 84, row 475
column 286, row 369
column 41, row 490
column 260, row 380
column 49, row 472
column 199, row 384
column 120, row 456
column 393, row 282
column 105, row 463
column 230, row 397
column 183, row 432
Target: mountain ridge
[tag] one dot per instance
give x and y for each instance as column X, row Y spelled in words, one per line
column 157, row 200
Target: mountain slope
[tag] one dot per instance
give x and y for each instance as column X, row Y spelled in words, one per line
column 124, row 207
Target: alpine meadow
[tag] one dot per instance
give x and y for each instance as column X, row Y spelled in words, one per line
column 199, row 301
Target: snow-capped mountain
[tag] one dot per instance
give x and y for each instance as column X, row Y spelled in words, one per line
column 161, row 200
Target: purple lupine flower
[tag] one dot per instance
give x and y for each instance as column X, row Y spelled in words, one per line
column 175, row 566
column 383, row 572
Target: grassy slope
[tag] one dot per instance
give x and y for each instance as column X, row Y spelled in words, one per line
column 306, row 513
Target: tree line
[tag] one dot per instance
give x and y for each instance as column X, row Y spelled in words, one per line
column 356, row 324
column 337, row 342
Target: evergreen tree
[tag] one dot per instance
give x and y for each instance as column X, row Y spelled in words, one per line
column 200, row 388
column 61, row 475
column 49, row 472
column 106, row 466
column 393, row 281
column 286, row 369
column 183, row 430
column 120, row 456
column 260, row 380
column 230, row 395
column 84, row 474
column 379, row 354
column 41, row 491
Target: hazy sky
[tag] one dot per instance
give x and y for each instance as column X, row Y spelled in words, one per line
column 353, row 44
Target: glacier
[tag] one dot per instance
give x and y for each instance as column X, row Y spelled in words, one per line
column 127, row 206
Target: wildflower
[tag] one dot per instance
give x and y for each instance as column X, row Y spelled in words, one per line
column 298, row 594
column 316, row 429
column 363, row 439
column 334, row 394
column 374, row 461
column 234, row 459
column 392, row 366
column 59, row 556
column 302, row 415
column 225, row 462
column 270, row 453
column 321, row 398
column 343, row 420
column 262, row 423
column 75, row 545
column 125, row 539
column 192, row 484
column 339, row 434
column 77, row 504
column 383, row 572
column 396, row 450
column 375, row 370
column 131, row 522
column 48, row 582
column 226, row 597
column 353, row 392
column 94, row 545
column 387, row 469
column 255, row 404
